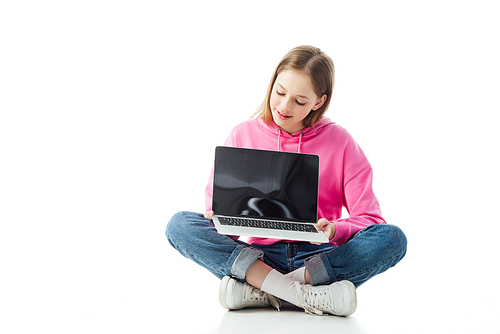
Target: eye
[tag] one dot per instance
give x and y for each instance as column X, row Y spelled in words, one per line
column 300, row 104
column 280, row 93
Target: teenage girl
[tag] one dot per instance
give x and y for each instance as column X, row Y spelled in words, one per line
column 320, row 278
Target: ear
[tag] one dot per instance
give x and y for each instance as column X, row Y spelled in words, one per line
column 319, row 103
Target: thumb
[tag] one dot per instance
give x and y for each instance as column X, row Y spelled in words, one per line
column 322, row 223
column 209, row 214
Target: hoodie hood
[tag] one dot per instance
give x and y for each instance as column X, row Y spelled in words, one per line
column 301, row 136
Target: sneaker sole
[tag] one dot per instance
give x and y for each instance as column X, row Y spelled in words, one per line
column 349, row 296
column 223, row 291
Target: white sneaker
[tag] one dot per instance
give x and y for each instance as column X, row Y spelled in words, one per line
column 234, row 295
column 338, row 298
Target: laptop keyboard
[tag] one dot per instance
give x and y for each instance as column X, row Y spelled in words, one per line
column 267, row 224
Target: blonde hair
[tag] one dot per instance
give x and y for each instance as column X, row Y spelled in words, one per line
column 320, row 69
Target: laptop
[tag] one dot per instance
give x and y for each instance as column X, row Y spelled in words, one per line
column 266, row 194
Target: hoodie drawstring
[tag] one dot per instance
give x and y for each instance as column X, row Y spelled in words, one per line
column 300, row 141
column 279, row 140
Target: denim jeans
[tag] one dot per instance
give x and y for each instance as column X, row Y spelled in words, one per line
column 371, row 251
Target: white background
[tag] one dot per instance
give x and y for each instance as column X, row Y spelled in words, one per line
column 111, row 110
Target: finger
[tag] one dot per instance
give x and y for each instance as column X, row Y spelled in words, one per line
column 209, row 214
column 322, row 223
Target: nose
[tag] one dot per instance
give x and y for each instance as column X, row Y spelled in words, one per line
column 285, row 104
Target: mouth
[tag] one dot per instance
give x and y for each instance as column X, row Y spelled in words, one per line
column 282, row 114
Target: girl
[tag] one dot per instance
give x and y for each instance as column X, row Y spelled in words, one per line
column 320, row 278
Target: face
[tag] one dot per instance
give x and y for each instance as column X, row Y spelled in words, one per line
column 292, row 99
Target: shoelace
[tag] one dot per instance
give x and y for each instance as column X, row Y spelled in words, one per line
column 314, row 300
column 259, row 294
column 274, row 301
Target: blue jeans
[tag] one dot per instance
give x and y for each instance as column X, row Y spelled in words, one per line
column 368, row 253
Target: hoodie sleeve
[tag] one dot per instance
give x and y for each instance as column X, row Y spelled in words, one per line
column 359, row 198
column 210, row 184
column 208, row 192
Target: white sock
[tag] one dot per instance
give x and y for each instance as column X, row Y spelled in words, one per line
column 298, row 275
column 281, row 286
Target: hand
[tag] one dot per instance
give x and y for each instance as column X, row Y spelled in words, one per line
column 209, row 214
column 327, row 227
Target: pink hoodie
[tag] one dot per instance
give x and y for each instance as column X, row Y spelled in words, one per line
column 345, row 177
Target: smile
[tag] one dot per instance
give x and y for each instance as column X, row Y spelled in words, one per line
column 282, row 114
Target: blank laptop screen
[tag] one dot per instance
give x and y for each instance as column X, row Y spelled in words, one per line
column 265, row 184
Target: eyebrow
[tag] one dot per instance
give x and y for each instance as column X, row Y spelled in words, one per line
column 302, row 96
